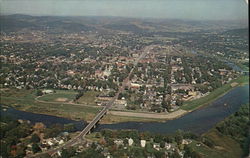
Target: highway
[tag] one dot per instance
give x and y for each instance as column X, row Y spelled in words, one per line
column 80, row 137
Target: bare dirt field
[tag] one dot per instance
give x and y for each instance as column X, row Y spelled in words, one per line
column 172, row 115
column 61, row 99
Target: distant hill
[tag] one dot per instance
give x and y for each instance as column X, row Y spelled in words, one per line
column 13, row 23
column 17, row 22
column 125, row 27
column 238, row 32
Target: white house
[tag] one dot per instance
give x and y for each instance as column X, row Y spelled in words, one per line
column 143, row 143
column 130, row 141
column 156, row 146
column 167, row 146
column 47, row 91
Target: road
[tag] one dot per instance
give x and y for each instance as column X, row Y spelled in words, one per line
column 80, row 137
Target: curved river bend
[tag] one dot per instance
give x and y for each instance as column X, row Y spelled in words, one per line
column 198, row 121
column 48, row 120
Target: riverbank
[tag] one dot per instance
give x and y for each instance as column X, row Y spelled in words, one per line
column 198, row 121
column 233, row 140
column 141, row 117
column 26, row 100
column 186, row 108
column 214, row 95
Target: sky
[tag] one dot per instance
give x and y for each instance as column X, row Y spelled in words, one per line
column 171, row 9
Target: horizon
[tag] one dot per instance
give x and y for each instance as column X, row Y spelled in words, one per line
column 204, row 10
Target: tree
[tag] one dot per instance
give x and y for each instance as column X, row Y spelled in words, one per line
column 208, row 142
column 179, row 102
column 176, row 154
column 178, row 138
column 69, row 127
column 35, row 138
column 39, row 92
column 66, row 153
column 162, row 144
column 35, row 148
column 20, row 152
column 53, row 131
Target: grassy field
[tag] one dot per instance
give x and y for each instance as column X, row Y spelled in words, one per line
column 109, row 118
column 25, row 100
column 225, row 147
column 88, row 98
column 191, row 105
column 66, row 95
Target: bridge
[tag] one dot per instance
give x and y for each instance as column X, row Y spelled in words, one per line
column 80, row 137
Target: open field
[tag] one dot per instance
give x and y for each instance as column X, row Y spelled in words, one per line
column 191, row 105
column 60, row 96
column 88, row 98
column 25, row 100
column 225, row 147
column 165, row 116
column 49, row 104
column 110, row 118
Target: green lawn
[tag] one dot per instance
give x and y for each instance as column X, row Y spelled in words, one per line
column 67, row 95
column 225, row 147
column 190, row 105
column 25, row 100
column 88, row 98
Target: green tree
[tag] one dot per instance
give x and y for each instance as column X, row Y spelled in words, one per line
column 35, row 138
column 35, row 148
column 39, row 92
column 67, row 153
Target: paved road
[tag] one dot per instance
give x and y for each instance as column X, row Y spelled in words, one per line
column 80, row 137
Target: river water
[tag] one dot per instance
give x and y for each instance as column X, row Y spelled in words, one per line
column 198, row 121
column 48, row 120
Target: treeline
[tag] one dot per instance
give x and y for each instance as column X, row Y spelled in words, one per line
column 10, row 134
column 237, row 127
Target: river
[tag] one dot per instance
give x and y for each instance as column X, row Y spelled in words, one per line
column 48, row 120
column 198, row 121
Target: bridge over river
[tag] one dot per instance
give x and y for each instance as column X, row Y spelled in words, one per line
column 80, row 137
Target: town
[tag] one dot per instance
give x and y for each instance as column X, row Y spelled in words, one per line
column 75, row 67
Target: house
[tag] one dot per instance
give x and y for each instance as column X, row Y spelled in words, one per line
column 135, row 85
column 60, row 142
column 118, row 142
column 130, row 141
column 47, row 91
column 186, row 141
column 121, row 103
column 176, row 68
column 192, row 93
column 49, row 142
column 223, row 71
column 156, row 146
column 167, row 146
column 143, row 143
column 80, row 149
column 59, row 153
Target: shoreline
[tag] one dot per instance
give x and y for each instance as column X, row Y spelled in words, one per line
column 129, row 116
column 180, row 112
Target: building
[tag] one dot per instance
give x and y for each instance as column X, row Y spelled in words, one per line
column 143, row 143
column 47, row 91
column 130, row 141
